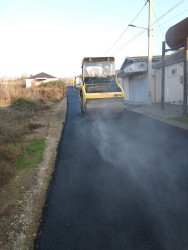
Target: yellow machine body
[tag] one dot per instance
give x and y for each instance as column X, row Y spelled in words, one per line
column 100, row 90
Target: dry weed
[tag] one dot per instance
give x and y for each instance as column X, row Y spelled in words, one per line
column 15, row 121
column 6, row 173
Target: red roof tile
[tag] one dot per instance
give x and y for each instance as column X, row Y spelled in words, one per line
column 41, row 75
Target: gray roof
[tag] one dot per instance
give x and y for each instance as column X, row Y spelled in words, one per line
column 176, row 57
column 129, row 61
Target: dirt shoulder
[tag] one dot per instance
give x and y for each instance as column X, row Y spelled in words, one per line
column 20, row 214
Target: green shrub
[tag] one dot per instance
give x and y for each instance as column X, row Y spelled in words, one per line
column 23, row 104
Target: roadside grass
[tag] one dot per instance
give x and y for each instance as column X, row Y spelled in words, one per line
column 32, row 155
column 9, row 152
column 24, row 119
column 16, row 121
column 6, row 173
column 183, row 119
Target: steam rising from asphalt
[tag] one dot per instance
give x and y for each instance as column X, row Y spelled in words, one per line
column 142, row 155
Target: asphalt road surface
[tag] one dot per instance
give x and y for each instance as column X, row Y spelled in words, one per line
column 119, row 183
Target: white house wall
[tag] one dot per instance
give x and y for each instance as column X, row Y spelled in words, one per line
column 28, row 83
column 35, row 82
column 173, row 83
column 153, row 87
column 124, row 82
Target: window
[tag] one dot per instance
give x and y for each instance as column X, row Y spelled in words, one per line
column 173, row 72
column 141, row 66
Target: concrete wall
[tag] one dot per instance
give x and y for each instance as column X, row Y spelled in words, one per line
column 124, row 82
column 173, row 83
column 154, row 87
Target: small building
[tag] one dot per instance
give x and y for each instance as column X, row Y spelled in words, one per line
column 174, row 77
column 78, row 81
column 133, row 77
column 38, row 79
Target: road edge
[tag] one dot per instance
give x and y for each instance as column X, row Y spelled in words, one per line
column 34, row 198
column 162, row 119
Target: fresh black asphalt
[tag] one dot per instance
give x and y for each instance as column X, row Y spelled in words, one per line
column 119, row 183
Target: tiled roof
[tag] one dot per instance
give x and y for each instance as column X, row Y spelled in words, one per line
column 41, row 76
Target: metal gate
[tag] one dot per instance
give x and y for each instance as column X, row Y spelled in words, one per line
column 138, row 90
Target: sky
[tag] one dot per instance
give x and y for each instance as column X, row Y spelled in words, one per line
column 53, row 36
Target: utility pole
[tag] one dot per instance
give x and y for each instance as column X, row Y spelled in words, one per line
column 150, row 54
column 149, row 51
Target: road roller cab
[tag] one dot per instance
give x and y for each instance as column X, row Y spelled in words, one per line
column 100, row 90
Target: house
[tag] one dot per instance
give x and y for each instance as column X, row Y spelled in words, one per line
column 38, row 79
column 174, row 77
column 133, row 77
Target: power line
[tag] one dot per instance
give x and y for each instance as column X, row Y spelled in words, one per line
column 162, row 24
column 125, row 29
column 131, row 40
column 175, row 16
column 157, row 19
column 158, row 23
column 176, row 5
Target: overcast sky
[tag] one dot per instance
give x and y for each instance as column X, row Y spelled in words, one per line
column 53, row 36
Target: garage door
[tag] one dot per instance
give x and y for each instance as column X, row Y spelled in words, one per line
column 138, row 90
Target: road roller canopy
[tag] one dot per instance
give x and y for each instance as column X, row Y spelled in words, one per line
column 98, row 59
column 98, row 67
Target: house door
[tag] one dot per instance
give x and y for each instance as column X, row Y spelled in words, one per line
column 138, row 90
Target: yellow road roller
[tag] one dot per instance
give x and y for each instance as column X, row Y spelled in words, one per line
column 100, row 90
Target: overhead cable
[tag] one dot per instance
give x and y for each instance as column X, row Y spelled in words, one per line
column 175, row 16
column 125, row 30
column 157, row 20
column 131, row 40
column 176, row 5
